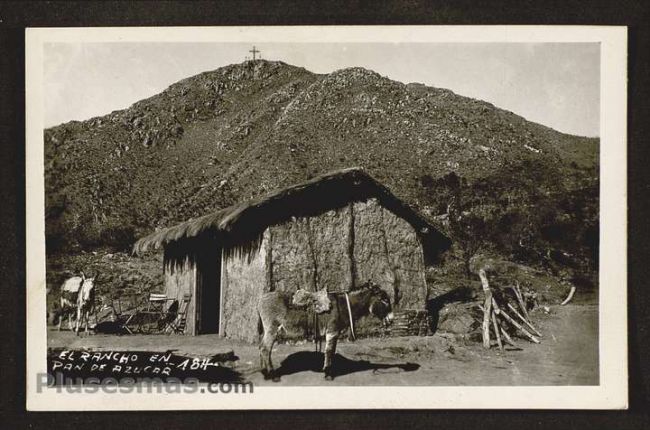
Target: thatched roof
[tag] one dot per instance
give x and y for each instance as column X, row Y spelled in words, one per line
column 325, row 192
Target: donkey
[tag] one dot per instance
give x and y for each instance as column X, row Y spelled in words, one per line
column 273, row 308
column 343, row 311
column 85, row 303
column 347, row 308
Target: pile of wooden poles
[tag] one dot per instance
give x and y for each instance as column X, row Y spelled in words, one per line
column 496, row 314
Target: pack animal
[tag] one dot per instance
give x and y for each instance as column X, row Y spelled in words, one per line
column 346, row 310
column 85, row 303
column 68, row 300
column 273, row 308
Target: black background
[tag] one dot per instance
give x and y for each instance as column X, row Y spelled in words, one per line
column 15, row 16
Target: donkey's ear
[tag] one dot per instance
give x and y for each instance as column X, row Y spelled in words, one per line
column 83, row 276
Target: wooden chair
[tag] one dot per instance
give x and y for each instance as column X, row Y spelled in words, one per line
column 156, row 299
column 150, row 315
column 178, row 324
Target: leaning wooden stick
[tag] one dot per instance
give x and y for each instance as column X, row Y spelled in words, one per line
column 496, row 331
column 528, row 323
column 513, row 322
column 487, row 308
column 520, row 299
column 507, row 338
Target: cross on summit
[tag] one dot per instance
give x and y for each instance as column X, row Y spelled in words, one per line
column 254, row 51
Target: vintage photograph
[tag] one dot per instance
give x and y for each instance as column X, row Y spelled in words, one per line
column 251, row 212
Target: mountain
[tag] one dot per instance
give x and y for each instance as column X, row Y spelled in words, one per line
column 242, row 130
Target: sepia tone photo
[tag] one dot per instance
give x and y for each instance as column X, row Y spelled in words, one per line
column 249, row 214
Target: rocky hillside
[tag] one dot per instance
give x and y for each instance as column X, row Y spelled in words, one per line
column 242, row 130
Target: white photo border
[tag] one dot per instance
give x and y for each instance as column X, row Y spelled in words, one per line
column 612, row 391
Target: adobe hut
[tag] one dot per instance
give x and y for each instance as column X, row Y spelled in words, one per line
column 333, row 232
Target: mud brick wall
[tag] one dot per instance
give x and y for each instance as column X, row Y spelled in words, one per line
column 406, row 261
column 388, row 252
column 370, row 247
column 313, row 253
column 243, row 280
column 331, row 237
column 346, row 247
column 292, row 257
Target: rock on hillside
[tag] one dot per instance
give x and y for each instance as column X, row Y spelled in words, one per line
column 242, row 130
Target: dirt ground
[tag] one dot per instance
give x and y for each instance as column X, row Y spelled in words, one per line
column 567, row 355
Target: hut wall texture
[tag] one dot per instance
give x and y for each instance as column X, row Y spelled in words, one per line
column 388, row 251
column 346, row 247
column 313, row 252
column 406, row 258
column 370, row 247
column 243, row 280
column 292, row 256
column 332, row 238
column 180, row 279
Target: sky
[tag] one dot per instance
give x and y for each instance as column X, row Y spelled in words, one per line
column 555, row 84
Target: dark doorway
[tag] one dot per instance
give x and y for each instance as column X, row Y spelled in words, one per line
column 208, row 289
